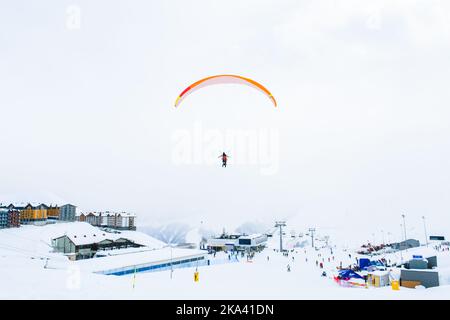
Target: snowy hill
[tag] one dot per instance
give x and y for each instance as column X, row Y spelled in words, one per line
column 168, row 233
column 183, row 232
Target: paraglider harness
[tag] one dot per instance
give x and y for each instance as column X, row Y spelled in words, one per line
column 224, row 159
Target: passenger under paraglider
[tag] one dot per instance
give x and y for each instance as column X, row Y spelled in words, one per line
column 224, row 157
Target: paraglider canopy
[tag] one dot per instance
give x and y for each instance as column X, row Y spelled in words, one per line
column 223, row 79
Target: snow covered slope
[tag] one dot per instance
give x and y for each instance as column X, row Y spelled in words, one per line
column 265, row 277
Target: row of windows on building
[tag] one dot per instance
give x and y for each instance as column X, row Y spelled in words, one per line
column 9, row 218
column 13, row 215
column 122, row 220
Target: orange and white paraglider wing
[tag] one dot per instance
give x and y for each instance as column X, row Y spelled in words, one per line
column 223, row 79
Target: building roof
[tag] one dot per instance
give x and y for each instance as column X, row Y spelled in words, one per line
column 133, row 259
column 379, row 272
column 17, row 205
column 82, row 233
column 22, row 205
column 107, row 213
column 253, row 236
column 87, row 238
column 409, row 241
column 228, row 236
column 68, row 204
column 7, row 210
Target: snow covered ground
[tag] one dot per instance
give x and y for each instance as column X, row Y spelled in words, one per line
column 23, row 276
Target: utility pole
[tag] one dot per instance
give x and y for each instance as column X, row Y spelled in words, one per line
column 425, row 228
column 280, row 224
column 401, row 232
column 382, row 233
column 404, row 225
column 311, row 231
column 171, row 259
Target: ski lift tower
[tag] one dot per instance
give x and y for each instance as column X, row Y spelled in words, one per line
column 311, row 231
column 280, row 224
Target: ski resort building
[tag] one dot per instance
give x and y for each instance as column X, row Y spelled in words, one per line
column 53, row 213
column 67, row 212
column 27, row 213
column 39, row 214
column 13, row 218
column 81, row 217
column 107, row 219
column 237, row 242
column 85, row 246
column 223, row 243
column 252, row 242
column 33, row 214
column 407, row 244
column 411, row 278
column 9, row 218
column 3, row 218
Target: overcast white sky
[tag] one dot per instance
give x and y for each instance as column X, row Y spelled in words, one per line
column 363, row 121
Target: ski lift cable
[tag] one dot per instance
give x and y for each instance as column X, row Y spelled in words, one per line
column 26, row 238
column 25, row 251
column 17, row 249
column 17, row 236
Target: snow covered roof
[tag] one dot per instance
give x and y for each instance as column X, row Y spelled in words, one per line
column 228, row 236
column 252, row 236
column 106, row 213
column 82, row 233
column 15, row 204
column 380, row 272
column 221, row 242
column 138, row 258
column 68, row 204
column 22, row 205
column 90, row 238
column 128, row 214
